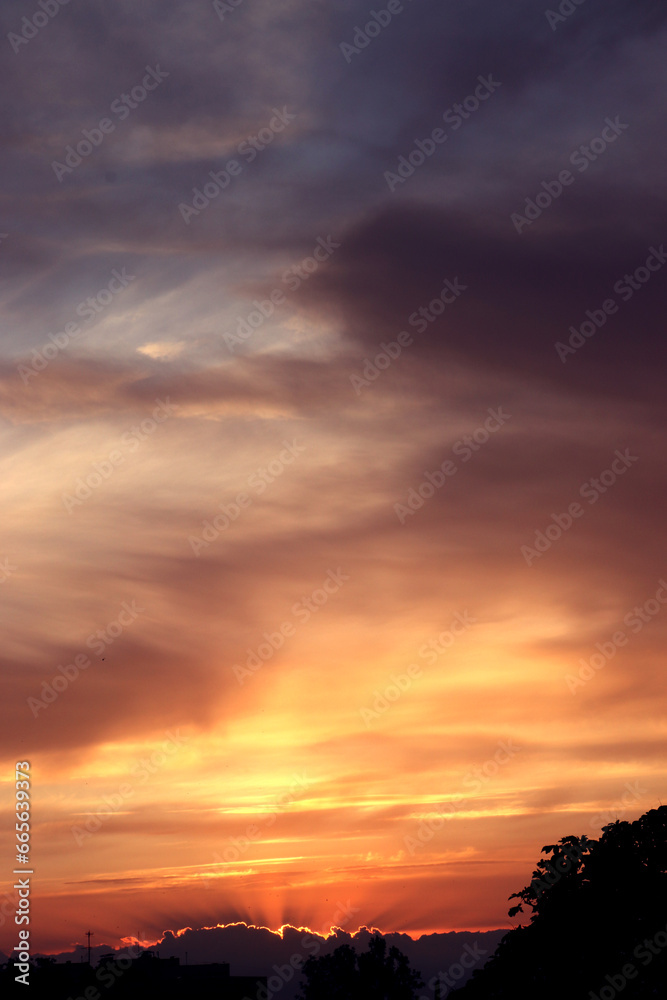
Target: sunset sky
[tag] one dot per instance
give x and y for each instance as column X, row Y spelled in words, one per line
column 324, row 481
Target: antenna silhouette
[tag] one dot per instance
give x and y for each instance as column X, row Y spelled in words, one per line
column 89, row 934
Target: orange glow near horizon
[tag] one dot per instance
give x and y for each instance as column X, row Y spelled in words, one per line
column 444, row 793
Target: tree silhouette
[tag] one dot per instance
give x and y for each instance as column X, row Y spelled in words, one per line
column 598, row 923
column 376, row 974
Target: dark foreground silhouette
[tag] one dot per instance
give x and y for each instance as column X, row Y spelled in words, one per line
column 598, row 930
column 376, row 974
column 132, row 978
column 598, row 927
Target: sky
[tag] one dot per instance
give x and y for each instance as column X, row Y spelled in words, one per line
column 332, row 570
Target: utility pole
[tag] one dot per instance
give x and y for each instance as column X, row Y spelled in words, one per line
column 88, row 935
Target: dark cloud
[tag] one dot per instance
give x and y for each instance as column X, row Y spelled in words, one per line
column 256, row 951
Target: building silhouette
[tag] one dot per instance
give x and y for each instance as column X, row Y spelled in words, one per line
column 148, row 975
